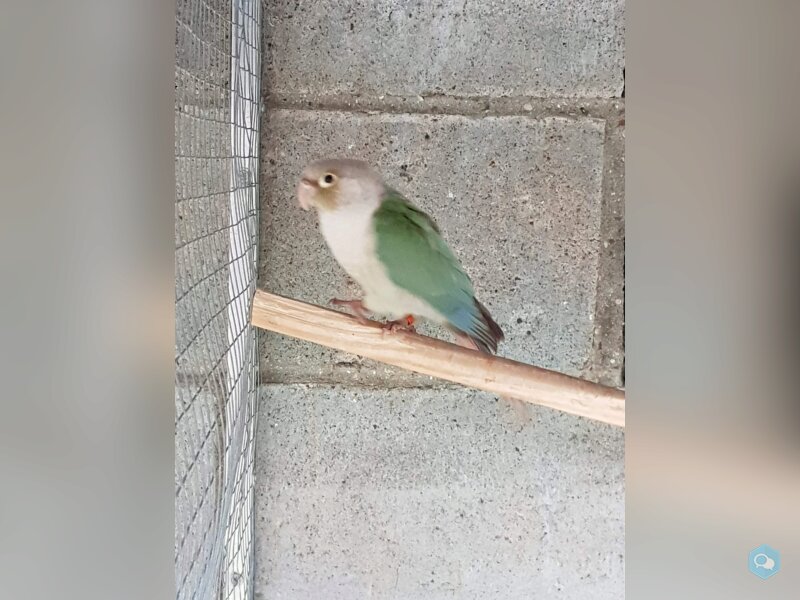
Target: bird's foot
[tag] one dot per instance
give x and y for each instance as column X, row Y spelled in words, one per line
column 357, row 306
column 404, row 324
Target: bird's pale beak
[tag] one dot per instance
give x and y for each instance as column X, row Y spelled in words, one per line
column 305, row 193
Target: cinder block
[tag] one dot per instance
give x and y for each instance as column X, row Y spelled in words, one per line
column 420, row 494
column 555, row 48
column 607, row 364
column 517, row 198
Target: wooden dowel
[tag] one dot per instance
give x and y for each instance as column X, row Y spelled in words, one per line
column 440, row 359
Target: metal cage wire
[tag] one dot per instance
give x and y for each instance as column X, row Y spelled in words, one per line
column 217, row 108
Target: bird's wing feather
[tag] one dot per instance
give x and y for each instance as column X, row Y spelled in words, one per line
column 418, row 260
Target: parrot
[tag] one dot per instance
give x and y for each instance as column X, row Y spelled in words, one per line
column 394, row 252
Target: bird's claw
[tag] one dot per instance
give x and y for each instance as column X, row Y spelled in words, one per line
column 405, row 324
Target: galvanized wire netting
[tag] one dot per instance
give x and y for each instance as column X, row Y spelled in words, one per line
column 217, row 85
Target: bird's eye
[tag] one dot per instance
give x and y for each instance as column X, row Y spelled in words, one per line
column 327, row 180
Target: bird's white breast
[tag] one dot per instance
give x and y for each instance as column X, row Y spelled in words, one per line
column 349, row 234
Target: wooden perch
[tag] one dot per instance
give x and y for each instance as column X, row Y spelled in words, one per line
column 440, row 359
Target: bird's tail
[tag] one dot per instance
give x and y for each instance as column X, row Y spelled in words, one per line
column 487, row 334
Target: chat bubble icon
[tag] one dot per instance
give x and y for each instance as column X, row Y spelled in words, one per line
column 764, row 561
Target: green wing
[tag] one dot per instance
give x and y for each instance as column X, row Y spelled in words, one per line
column 417, row 259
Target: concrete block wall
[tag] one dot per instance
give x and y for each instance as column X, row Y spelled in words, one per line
column 504, row 121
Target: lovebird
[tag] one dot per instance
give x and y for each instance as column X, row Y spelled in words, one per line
column 395, row 252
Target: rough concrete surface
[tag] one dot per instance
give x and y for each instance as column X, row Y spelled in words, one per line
column 517, row 198
column 502, row 120
column 409, row 494
column 561, row 48
column 608, row 361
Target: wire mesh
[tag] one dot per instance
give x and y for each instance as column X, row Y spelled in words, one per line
column 217, row 89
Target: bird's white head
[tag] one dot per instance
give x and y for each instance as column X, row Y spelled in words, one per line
column 330, row 184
